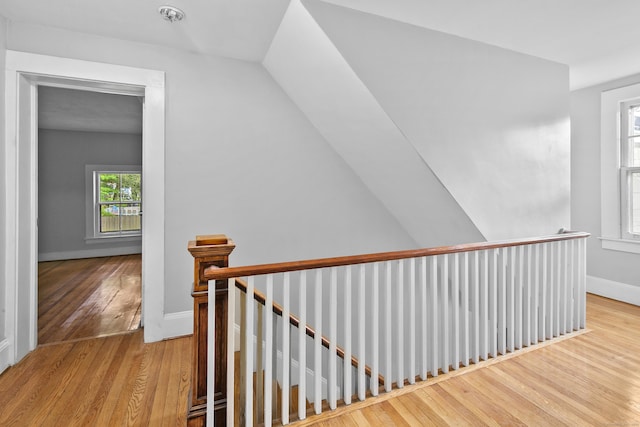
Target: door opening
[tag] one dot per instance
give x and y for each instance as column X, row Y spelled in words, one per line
column 89, row 228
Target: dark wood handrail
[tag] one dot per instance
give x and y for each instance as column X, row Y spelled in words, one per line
column 294, row 321
column 215, row 273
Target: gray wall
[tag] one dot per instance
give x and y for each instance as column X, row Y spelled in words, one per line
column 240, row 159
column 62, row 156
column 622, row 267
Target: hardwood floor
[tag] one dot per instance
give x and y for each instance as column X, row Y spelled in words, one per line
column 110, row 381
column 89, row 297
column 592, row 379
column 589, row 379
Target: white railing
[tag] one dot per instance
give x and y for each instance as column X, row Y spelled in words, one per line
column 351, row 327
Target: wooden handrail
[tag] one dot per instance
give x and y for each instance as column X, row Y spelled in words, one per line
column 294, row 321
column 215, row 273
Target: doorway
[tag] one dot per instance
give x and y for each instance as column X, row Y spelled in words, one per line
column 24, row 73
column 89, row 213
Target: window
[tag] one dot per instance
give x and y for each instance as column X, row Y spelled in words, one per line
column 620, row 169
column 114, row 201
column 630, row 169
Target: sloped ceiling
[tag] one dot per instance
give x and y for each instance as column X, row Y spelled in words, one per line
column 597, row 39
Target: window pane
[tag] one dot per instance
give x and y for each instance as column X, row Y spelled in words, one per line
column 635, row 202
column 109, row 218
column 130, row 217
column 635, row 152
column 109, row 187
column 634, row 120
column 120, row 217
column 130, row 187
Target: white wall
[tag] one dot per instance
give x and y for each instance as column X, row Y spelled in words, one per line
column 612, row 266
column 3, row 180
column 62, row 156
column 492, row 124
column 306, row 64
column 240, row 159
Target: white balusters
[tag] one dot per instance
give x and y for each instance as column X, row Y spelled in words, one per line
column 400, row 324
column 375, row 330
column 286, row 354
column 493, row 297
column 455, row 296
column 445, row 329
column 347, row 337
column 476, row 307
column 231, row 298
column 511, row 288
column 433, row 309
column 543, row 295
column 333, row 337
column 362, row 359
column 317, row 344
column 268, row 355
column 518, row 308
column 412, row 323
column 388, row 377
column 302, row 347
column 487, row 292
column 502, row 300
column 248, row 346
column 424, row 318
column 466, row 338
column 439, row 312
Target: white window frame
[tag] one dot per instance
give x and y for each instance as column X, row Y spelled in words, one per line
column 93, row 234
column 614, row 192
column 626, row 169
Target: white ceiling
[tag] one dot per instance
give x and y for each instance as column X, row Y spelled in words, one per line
column 599, row 40
column 81, row 110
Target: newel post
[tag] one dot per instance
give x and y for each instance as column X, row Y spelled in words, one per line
column 209, row 250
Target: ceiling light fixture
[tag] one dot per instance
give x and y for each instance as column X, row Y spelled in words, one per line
column 171, row 13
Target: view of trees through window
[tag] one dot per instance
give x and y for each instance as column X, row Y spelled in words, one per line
column 120, row 201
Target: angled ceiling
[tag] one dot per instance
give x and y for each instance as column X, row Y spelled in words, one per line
column 597, row 39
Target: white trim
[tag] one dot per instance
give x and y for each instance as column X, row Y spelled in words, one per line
column 614, row 290
column 5, row 355
column 89, row 253
column 622, row 245
column 610, row 190
column 178, row 324
column 92, row 227
column 20, row 246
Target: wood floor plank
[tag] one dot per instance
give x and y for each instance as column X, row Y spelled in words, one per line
column 89, row 297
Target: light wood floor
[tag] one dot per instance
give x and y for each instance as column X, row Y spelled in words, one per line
column 90, row 297
column 590, row 379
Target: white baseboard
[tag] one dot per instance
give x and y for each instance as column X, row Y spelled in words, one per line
column 177, row 324
column 614, row 290
column 89, row 253
column 5, row 360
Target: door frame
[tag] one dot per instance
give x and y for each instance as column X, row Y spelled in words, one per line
column 24, row 73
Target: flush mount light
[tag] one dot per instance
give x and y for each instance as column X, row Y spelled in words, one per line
column 171, row 13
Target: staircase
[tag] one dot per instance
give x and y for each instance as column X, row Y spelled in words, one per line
column 380, row 321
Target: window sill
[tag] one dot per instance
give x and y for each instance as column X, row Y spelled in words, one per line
column 623, row 245
column 111, row 239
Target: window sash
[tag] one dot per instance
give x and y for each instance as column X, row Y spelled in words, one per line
column 630, row 202
column 100, row 223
